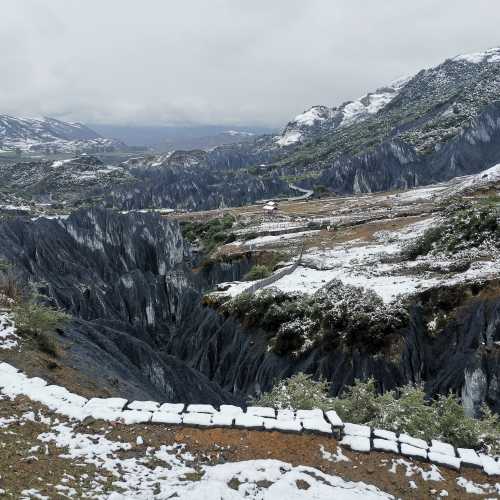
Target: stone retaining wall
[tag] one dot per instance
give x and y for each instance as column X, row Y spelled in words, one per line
column 359, row 438
column 258, row 285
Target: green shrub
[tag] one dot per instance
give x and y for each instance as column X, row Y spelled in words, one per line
column 337, row 316
column 10, row 288
column 424, row 244
column 465, row 226
column 257, row 272
column 360, row 403
column 404, row 410
column 210, row 234
column 38, row 321
column 298, row 392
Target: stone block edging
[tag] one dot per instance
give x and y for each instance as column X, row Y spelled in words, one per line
column 360, row 438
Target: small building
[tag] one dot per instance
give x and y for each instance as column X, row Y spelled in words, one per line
column 270, row 207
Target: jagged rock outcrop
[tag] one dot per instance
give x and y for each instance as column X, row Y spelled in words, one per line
column 192, row 180
column 396, row 165
column 124, row 280
column 197, row 187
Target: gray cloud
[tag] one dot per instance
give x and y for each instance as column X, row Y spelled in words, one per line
column 221, row 61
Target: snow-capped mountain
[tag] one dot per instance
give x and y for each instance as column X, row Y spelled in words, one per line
column 439, row 100
column 323, row 119
column 49, row 135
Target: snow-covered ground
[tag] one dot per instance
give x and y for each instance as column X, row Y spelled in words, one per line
column 266, row 240
column 255, row 479
column 364, row 264
column 8, row 337
column 490, row 56
column 138, row 465
column 357, row 263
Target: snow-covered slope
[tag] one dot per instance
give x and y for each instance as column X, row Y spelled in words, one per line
column 490, row 56
column 322, row 118
column 451, row 78
column 48, row 135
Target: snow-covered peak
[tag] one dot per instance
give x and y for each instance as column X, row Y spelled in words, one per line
column 312, row 115
column 373, row 102
column 490, row 56
column 307, row 123
column 299, row 127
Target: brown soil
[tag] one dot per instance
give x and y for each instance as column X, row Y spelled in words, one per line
column 22, row 468
column 229, row 445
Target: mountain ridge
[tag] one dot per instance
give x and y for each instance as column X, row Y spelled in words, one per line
column 50, row 135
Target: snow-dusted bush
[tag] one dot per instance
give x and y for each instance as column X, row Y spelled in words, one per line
column 297, row 392
column 404, row 410
column 295, row 336
column 353, row 316
column 336, row 316
column 261, row 309
column 409, row 410
column 465, row 227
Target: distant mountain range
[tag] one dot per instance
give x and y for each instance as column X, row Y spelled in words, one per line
column 167, row 138
column 52, row 136
column 439, row 123
column 49, row 136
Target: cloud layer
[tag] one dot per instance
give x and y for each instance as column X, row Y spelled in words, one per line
column 221, row 61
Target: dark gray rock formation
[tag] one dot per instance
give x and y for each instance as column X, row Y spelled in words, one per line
column 139, row 320
column 124, row 280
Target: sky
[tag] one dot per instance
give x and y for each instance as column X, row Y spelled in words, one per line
column 239, row 62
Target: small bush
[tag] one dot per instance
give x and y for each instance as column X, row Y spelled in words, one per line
column 257, row 272
column 10, row 289
column 424, row 244
column 32, row 319
column 298, row 392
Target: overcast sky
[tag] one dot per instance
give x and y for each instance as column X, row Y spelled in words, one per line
column 221, row 61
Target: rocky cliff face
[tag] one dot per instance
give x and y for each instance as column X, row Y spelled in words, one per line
column 397, row 165
column 139, row 319
column 463, row 357
column 122, row 277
